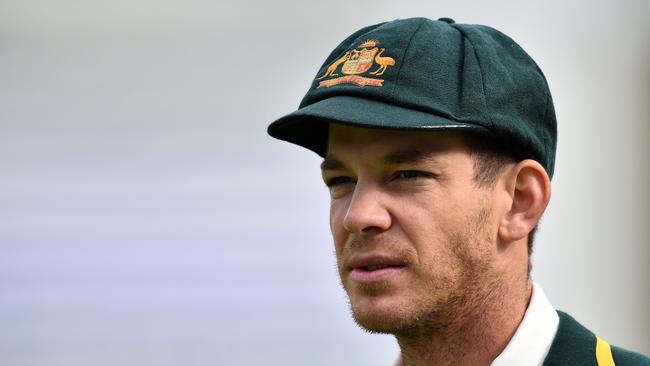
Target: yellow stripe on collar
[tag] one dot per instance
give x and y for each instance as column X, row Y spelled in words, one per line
column 604, row 353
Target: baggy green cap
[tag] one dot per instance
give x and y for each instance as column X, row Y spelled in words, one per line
column 419, row 73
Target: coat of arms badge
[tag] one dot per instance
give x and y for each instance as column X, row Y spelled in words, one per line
column 355, row 62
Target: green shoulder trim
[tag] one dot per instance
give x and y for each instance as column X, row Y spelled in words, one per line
column 623, row 357
column 574, row 345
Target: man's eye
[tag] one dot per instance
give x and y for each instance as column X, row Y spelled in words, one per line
column 337, row 181
column 411, row 174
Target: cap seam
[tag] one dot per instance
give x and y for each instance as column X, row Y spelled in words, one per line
column 408, row 46
column 480, row 69
column 546, row 147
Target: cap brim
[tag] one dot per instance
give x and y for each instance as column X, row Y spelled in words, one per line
column 309, row 126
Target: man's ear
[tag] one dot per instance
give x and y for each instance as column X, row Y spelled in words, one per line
column 530, row 191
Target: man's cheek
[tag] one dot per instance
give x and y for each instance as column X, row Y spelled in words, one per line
column 339, row 237
column 337, row 215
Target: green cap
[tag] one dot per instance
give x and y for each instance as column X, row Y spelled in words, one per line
column 419, row 73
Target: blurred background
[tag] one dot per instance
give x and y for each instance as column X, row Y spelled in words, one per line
column 147, row 219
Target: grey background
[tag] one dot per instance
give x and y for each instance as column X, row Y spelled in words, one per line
column 147, row 219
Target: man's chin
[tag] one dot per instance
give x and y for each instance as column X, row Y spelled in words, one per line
column 377, row 316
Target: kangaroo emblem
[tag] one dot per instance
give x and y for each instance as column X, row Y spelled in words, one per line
column 332, row 68
column 383, row 62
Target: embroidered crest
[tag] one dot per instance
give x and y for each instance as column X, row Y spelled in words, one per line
column 356, row 62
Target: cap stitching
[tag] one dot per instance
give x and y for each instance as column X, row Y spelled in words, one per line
column 480, row 69
column 548, row 165
column 547, row 148
column 408, row 46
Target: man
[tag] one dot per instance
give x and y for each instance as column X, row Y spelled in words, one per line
column 439, row 144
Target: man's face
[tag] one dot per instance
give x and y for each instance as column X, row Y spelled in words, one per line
column 414, row 234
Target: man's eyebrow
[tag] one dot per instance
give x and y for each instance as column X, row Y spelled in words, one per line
column 331, row 163
column 409, row 155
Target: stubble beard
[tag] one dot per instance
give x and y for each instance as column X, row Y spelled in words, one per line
column 443, row 304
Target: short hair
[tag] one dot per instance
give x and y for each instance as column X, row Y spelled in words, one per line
column 490, row 158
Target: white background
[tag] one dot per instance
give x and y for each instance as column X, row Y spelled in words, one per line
column 147, row 219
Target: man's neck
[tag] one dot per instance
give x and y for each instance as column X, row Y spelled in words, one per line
column 476, row 339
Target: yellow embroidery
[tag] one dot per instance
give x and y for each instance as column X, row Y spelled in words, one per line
column 356, row 62
column 360, row 61
column 384, row 62
column 352, row 79
column 332, row 68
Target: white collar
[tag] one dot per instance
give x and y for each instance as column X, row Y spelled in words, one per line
column 532, row 340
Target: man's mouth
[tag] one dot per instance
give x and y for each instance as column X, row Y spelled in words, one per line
column 369, row 274
column 373, row 267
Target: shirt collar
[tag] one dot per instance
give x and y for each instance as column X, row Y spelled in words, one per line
column 532, row 340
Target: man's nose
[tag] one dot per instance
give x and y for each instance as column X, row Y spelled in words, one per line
column 367, row 213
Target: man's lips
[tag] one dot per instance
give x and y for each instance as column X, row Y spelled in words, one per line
column 365, row 260
column 370, row 267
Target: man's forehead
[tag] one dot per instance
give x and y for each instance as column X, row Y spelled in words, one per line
column 405, row 143
column 399, row 156
column 387, row 146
